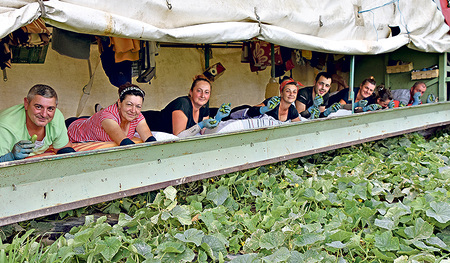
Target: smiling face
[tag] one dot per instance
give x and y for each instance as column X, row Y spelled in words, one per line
column 383, row 103
column 289, row 93
column 420, row 88
column 366, row 89
column 39, row 110
column 130, row 107
column 322, row 86
column 200, row 93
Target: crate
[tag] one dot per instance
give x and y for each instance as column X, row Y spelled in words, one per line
column 429, row 74
column 399, row 68
column 31, row 55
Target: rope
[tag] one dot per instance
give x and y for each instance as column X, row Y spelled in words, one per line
column 42, row 7
column 391, row 2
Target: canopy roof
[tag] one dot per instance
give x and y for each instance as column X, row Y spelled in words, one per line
column 342, row 27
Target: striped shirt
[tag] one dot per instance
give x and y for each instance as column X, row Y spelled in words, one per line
column 91, row 129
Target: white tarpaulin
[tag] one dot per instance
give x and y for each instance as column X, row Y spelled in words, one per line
column 335, row 26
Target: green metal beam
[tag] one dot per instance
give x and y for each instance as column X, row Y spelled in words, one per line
column 37, row 187
column 443, row 68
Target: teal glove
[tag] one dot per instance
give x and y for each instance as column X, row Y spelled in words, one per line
column 431, row 98
column 20, row 150
column 271, row 104
column 333, row 108
column 223, row 111
column 208, row 123
column 359, row 104
column 391, row 104
column 318, row 100
column 315, row 114
column 372, row 107
column 417, row 96
column 401, row 104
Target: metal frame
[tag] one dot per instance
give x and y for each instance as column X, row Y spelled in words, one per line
column 38, row 187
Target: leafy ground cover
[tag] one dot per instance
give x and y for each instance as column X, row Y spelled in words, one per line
column 384, row 201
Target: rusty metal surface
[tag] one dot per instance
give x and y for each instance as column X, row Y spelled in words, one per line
column 37, row 187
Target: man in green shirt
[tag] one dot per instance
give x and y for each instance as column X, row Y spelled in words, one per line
column 30, row 128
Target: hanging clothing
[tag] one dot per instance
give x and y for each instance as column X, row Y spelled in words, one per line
column 71, row 44
column 260, row 52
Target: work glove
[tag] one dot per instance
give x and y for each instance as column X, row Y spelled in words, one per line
column 22, row 149
column 318, row 100
column 271, row 104
column 401, row 104
column 223, row 111
column 315, row 113
column 431, row 98
column 391, row 104
column 208, row 123
column 333, row 108
column 416, row 96
column 361, row 104
column 372, row 107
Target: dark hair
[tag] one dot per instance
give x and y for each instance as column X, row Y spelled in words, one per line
column 383, row 93
column 370, row 80
column 199, row 78
column 323, row 74
column 42, row 90
column 130, row 89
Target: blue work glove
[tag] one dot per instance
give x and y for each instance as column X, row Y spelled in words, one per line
column 391, row 104
column 271, row 104
column 223, row 111
column 315, row 113
column 318, row 100
column 20, row 150
column 431, row 98
column 416, row 96
column 372, row 107
column 333, row 108
column 208, row 123
column 359, row 104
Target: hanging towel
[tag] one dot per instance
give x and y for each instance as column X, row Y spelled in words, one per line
column 125, row 49
column 71, row 44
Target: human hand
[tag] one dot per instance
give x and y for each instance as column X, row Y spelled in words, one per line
column 401, row 104
column 271, row 104
column 416, row 97
column 372, row 107
column 391, row 104
column 318, row 100
column 223, row 111
column 315, row 113
column 333, row 108
column 208, row 123
column 431, row 98
column 22, row 149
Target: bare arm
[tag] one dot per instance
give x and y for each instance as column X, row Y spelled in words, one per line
column 296, row 119
column 179, row 122
column 300, row 106
column 143, row 130
column 114, row 131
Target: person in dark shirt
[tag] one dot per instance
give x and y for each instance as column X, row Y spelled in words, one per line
column 280, row 108
column 363, row 95
column 188, row 115
column 311, row 101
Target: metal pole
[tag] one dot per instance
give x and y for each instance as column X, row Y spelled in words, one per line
column 352, row 80
column 272, row 59
column 207, row 51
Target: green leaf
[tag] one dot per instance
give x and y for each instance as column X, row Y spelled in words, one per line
column 143, row 248
column 386, row 242
column 281, row 255
column 112, row 245
column 435, row 241
column 187, row 256
column 218, row 196
column 171, row 247
column 420, row 230
column 308, row 239
column 182, row 214
column 439, row 211
column 215, row 244
column 422, row 245
column 336, row 244
column 171, row 193
column 272, row 240
column 341, row 235
column 385, row 223
column 191, row 235
column 246, row 258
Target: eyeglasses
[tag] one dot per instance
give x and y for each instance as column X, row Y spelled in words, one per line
column 321, row 83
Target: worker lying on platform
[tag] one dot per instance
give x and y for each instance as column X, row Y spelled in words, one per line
column 32, row 127
column 311, row 101
column 189, row 115
column 363, row 97
column 412, row 96
column 383, row 97
column 118, row 122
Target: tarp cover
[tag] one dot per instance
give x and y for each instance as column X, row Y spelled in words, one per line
column 334, row 26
